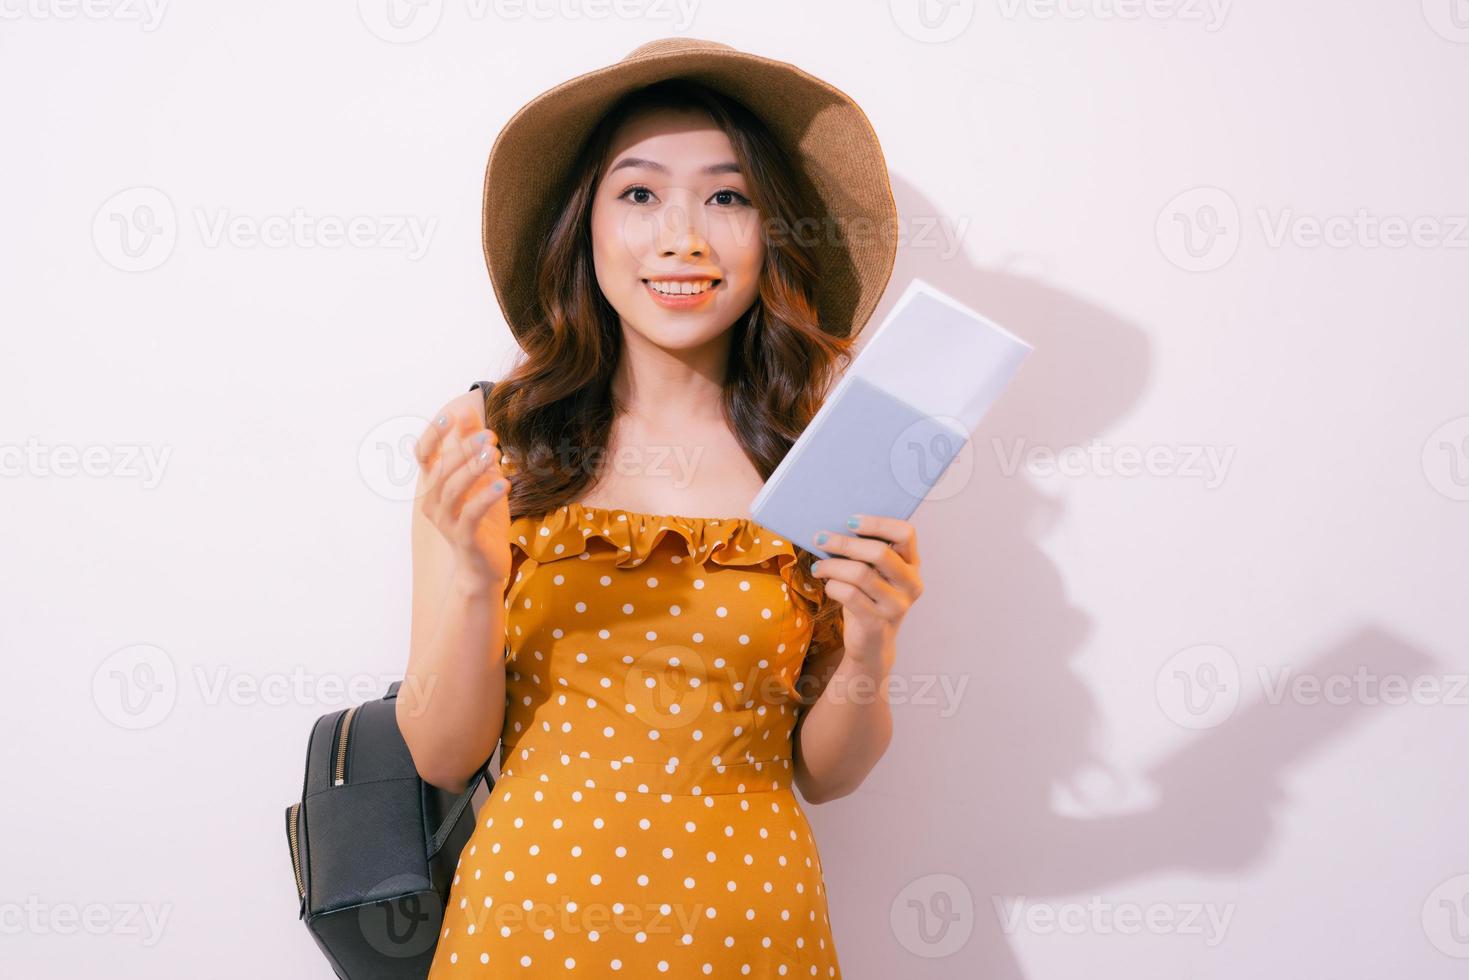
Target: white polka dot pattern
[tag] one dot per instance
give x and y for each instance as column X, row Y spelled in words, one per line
column 644, row 822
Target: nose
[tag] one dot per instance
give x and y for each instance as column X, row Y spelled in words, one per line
column 680, row 233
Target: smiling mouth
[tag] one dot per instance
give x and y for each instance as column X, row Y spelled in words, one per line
column 670, row 287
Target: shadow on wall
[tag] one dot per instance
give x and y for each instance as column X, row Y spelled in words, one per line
column 956, row 828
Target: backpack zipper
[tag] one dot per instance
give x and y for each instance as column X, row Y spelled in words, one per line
column 339, row 771
column 295, row 851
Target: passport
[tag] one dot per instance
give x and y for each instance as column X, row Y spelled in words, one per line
column 891, row 426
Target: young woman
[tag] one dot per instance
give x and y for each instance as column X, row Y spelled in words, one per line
column 684, row 293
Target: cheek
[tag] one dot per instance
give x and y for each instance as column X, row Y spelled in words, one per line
column 744, row 264
column 620, row 240
column 610, row 261
column 601, row 228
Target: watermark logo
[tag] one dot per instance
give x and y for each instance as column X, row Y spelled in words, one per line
column 401, row 21
column 667, row 687
column 932, row 458
column 1199, row 687
column 135, row 687
column 1448, row 18
column 135, row 229
column 405, row 926
column 1199, row 230
column 387, row 457
column 933, row 916
column 932, row 21
column 1446, row 917
column 1446, row 458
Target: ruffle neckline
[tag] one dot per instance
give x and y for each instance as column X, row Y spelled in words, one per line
column 564, row 531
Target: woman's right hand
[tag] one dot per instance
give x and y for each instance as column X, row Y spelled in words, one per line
column 458, row 468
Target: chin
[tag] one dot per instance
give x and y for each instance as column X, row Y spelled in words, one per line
column 671, row 333
column 673, row 339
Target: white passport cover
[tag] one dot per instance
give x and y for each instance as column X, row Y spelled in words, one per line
column 895, row 421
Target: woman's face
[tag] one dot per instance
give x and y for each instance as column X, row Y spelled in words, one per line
column 673, row 203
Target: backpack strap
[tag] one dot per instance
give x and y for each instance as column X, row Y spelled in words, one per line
column 451, row 819
column 484, row 387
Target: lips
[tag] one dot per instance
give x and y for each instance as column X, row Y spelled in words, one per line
column 681, row 300
column 682, row 286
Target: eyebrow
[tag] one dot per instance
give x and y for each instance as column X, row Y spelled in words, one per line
column 728, row 167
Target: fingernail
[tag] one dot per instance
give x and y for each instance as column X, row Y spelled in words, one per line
column 497, row 486
column 821, row 537
column 853, row 521
column 441, row 421
column 815, row 565
column 481, row 436
column 484, row 455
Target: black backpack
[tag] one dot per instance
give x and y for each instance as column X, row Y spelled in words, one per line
column 374, row 847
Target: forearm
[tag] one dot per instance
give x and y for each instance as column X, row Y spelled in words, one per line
column 845, row 732
column 451, row 705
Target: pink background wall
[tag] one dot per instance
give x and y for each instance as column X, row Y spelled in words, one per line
column 1190, row 705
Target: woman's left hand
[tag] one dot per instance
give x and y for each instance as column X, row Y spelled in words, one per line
column 874, row 574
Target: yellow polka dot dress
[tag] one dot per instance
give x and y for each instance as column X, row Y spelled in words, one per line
column 644, row 822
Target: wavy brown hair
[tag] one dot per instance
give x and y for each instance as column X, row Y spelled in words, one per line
column 554, row 410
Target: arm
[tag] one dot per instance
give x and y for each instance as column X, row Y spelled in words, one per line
column 874, row 574
column 451, row 705
column 847, row 727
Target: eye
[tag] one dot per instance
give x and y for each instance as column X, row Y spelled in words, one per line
column 742, row 198
column 634, row 189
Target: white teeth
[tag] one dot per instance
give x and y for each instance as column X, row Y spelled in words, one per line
column 675, row 288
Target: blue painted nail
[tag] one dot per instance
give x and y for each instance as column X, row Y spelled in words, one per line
column 481, row 436
column 821, row 537
column 815, row 565
column 441, row 421
column 498, row 485
column 852, row 523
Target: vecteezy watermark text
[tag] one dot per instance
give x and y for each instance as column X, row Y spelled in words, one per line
column 147, row 14
column 124, row 460
column 407, row 21
column 36, row 917
column 1210, row 13
column 137, row 229
column 1186, row 461
column 1201, row 229
column 1100, row 917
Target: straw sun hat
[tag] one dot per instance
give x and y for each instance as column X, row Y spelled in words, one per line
column 841, row 169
